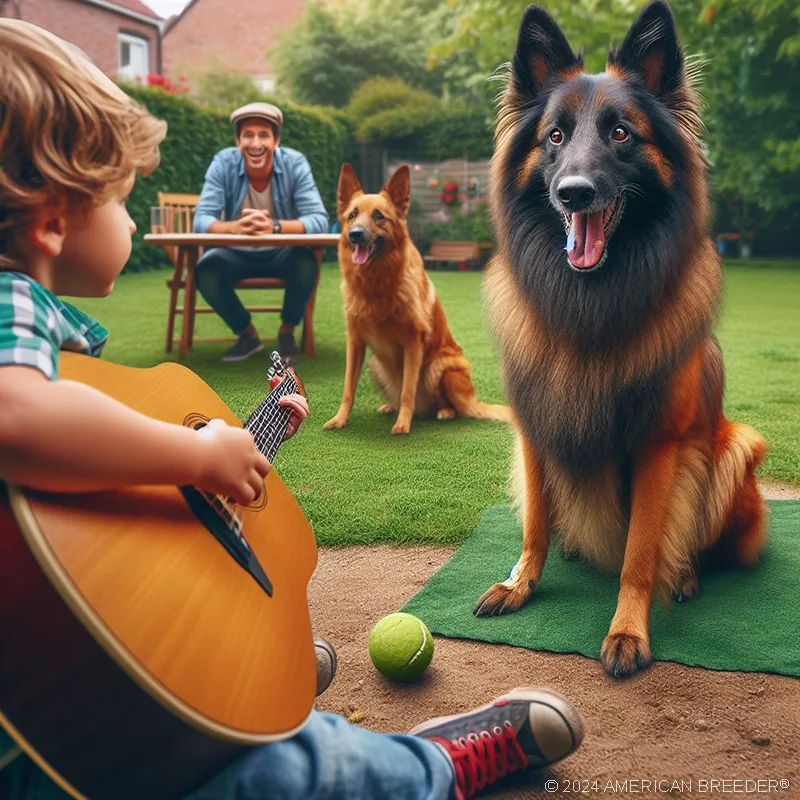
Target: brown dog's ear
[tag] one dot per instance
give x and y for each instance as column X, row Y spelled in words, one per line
column 398, row 187
column 349, row 185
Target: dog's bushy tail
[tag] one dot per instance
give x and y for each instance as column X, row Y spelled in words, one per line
column 461, row 393
column 477, row 410
column 735, row 506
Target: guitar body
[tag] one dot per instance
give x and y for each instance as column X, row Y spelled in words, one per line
column 138, row 657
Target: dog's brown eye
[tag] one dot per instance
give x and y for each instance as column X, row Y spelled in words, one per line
column 352, row 215
column 377, row 216
column 620, row 134
column 556, row 137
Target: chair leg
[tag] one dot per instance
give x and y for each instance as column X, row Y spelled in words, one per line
column 307, row 342
column 173, row 304
column 189, row 293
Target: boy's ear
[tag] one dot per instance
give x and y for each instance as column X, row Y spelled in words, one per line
column 46, row 232
column 652, row 51
column 542, row 53
column 398, row 187
column 349, row 185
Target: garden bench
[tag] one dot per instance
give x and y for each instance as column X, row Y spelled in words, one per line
column 461, row 253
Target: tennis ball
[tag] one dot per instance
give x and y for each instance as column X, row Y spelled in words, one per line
column 401, row 647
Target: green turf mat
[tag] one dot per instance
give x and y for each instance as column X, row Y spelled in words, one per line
column 745, row 620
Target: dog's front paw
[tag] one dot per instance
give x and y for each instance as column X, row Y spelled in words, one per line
column 446, row 413
column 387, row 408
column 624, row 654
column 502, row 599
column 335, row 423
column 401, row 427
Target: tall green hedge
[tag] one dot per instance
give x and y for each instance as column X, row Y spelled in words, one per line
column 196, row 133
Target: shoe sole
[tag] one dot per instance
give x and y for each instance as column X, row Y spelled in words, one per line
column 323, row 644
column 552, row 700
column 231, row 359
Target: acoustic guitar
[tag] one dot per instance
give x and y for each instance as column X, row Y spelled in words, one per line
column 150, row 636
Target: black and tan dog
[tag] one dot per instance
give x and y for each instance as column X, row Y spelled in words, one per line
column 392, row 307
column 610, row 363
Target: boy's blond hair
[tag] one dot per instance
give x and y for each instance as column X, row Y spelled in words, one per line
column 67, row 133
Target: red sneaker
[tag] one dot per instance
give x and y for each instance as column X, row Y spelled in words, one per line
column 524, row 728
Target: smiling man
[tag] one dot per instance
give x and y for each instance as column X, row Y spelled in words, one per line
column 259, row 187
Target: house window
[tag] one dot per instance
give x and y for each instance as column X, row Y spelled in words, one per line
column 134, row 57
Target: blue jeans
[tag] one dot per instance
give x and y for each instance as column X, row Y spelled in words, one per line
column 329, row 758
column 221, row 268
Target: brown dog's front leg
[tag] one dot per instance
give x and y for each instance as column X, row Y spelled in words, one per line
column 626, row 649
column 503, row 598
column 356, row 350
column 412, row 363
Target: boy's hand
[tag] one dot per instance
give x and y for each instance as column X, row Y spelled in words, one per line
column 299, row 406
column 232, row 465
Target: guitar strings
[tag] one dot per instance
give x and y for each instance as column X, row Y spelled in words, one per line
column 267, row 425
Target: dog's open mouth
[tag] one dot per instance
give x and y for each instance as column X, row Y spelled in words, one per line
column 588, row 235
column 364, row 252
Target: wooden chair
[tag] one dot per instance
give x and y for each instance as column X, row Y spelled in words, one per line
column 176, row 215
column 460, row 252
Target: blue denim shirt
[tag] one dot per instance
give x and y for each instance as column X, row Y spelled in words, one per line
column 294, row 193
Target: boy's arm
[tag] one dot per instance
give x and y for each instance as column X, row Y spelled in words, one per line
column 64, row 436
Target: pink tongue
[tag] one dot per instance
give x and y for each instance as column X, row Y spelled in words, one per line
column 361, row 253
column 590, row 240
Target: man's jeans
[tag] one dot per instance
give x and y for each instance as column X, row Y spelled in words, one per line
column 329, row 758
column 221, row 268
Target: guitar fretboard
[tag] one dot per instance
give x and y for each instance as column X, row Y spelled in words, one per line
column 269, row 421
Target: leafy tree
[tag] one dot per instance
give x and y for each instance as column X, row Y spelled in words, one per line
column 752, row 90
column 389, row 111
column 334, row 48
column 222, row 89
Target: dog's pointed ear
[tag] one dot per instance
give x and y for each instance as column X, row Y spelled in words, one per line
column 398, row 187
column 349, row 185
column 652, row 51
column 542, row 53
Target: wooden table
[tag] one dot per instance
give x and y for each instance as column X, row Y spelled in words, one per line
column 188, row 247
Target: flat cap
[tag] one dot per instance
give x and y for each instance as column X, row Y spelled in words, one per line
column 258, row 111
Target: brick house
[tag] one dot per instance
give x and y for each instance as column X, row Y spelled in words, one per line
column 229, row 35
column 122, row 37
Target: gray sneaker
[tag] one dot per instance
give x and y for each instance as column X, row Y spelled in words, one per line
column 524, row 728
column 326, row 664
column 245, row 346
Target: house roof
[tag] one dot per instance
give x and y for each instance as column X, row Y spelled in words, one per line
column 136, row 6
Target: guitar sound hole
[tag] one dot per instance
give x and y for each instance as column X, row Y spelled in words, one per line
column 195, row 421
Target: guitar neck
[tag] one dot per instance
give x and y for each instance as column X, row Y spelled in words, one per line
column 269, row 421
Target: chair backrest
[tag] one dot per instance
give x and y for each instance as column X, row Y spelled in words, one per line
column 175, row 212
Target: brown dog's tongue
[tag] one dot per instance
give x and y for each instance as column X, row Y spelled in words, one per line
column 587, row 240
column 361, row 253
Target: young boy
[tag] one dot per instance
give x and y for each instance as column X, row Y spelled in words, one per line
column 70, row 145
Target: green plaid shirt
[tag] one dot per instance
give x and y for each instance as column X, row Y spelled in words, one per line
column 35, row 325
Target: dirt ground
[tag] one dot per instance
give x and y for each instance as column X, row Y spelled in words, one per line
column 670, row 724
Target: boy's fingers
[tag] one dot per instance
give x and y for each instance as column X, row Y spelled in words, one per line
column 262, row 465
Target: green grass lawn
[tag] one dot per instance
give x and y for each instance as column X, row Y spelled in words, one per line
column 363, row 485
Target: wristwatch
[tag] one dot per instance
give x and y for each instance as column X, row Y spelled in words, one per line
column 276, row 226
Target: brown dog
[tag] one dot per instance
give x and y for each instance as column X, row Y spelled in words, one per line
column 606, row 329
column 392, row 306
